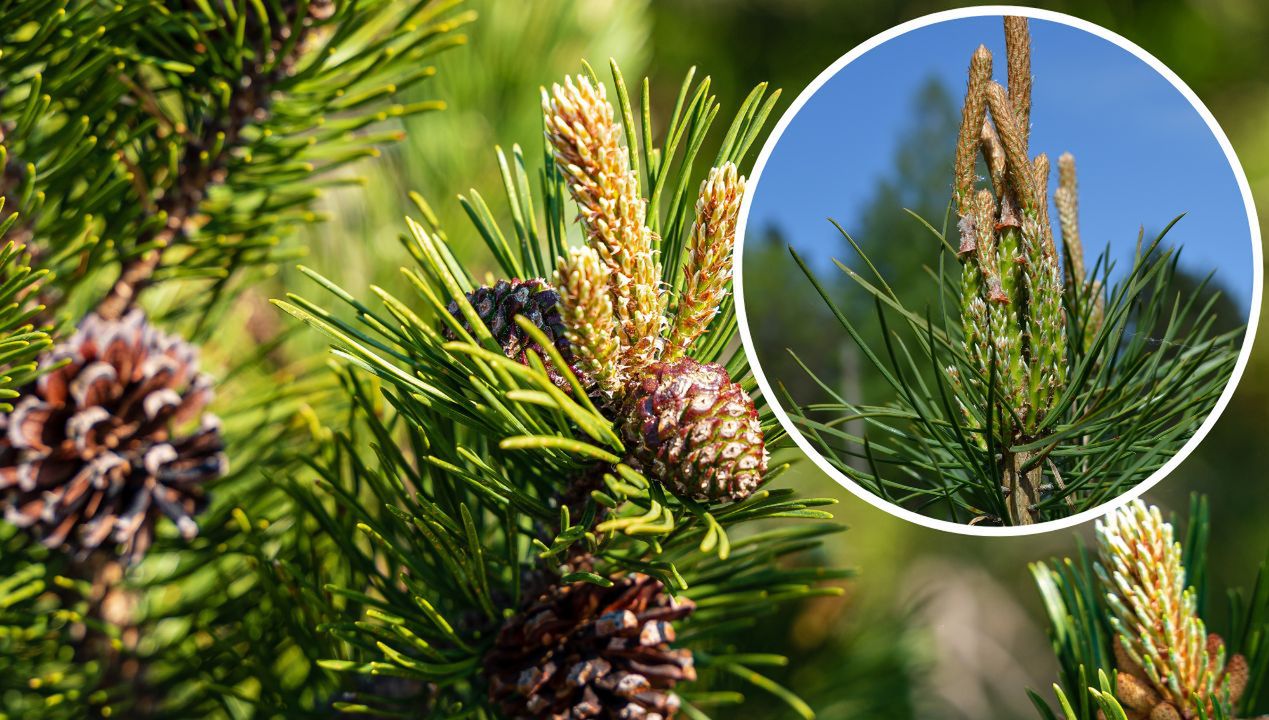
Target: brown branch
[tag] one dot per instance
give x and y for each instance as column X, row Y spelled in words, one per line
column 1022, row 486
column 199, row 172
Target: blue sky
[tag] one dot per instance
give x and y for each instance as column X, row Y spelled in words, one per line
column 1143, row 154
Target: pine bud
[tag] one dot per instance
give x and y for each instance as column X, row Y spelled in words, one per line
column 587, row 312
column 710, row 247
column 973, row 114
column 1041, row 177
column 1018, row 168
column 1067, row 200
column 1018, row 59
column 1045, row 315
column 590, row 154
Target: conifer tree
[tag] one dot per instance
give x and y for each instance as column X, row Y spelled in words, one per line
column 565, row 456
column 156, row 158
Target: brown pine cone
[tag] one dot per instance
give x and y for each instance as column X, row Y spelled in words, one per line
column 582, row 651
column 536, row 300
column 90, row 453
column 689, row 426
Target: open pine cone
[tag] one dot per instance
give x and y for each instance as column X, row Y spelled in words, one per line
column 536, row 300
column 90, row 454
column 583, row 651
column 691, row 427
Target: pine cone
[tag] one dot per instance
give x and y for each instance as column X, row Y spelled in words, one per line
column 692, row 428
column 536, row 300
column 89, row 453
column 582, row 651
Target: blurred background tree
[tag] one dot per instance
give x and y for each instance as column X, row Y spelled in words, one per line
column 899, row 247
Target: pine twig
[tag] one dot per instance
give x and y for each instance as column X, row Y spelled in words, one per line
column 207, row 152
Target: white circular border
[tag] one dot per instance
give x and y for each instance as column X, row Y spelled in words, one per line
column 1257, row 271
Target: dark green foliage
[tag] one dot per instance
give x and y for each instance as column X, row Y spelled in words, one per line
column 179, row 144
column 194, row 133
column 21, row 338
column 1131, row 400
column 39, row 673
column 380, row 518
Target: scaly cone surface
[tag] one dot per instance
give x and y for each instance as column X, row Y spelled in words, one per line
column 585, row 651
column 93, row 452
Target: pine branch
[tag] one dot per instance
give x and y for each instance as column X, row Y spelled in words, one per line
column 194, row 130
column 1027, row 404
column 205, row 156
column 489, row 417
column 201, row 130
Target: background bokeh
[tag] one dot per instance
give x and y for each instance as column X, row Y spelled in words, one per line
column 935, row 626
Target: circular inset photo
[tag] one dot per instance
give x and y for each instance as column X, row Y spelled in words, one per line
column 998, row 274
